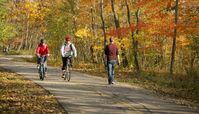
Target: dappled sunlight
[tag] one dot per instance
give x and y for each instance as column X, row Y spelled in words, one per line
column 153, row 44
column 88, row 94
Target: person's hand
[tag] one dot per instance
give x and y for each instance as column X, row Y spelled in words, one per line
column 118, row 60
column 105, row 64
column 38, row 55
column 48, row 55
column 118, row 63
column 75, row 56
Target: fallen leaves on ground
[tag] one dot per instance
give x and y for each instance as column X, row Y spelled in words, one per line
column 19, row 95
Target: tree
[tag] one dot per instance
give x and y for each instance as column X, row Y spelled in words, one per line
column 103, row 22
column 103, row 27
column 7, row 30
column 135, row 42
column 174, row 39
column 116, row 19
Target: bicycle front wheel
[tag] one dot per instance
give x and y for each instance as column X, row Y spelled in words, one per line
column 42, row 72
column 67, row 75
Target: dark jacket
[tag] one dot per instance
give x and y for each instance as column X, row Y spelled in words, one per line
column 111, row 51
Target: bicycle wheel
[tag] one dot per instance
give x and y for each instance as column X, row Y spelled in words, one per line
column 42, row 72
column 67, row 74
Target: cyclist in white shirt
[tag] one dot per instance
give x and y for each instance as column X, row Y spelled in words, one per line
column 68, row 51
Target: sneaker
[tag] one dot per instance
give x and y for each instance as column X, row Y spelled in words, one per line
column 113, row 83
column 63, row 71
column 37, row 66
column 45, row 74
column 62, row 75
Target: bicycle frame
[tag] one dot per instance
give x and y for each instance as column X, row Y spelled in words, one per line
column 42, row 67
column 67, row 73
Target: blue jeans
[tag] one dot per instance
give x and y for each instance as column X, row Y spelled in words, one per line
column 111, row 71
column 45, row 61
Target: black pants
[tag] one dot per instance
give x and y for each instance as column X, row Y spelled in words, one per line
column 64, row 62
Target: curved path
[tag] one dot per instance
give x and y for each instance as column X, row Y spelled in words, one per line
column 86, row 94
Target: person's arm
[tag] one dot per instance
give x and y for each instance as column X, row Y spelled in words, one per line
column 62, row 50
column 47, row 50
column 37, row 51
column 118, row 57
column 74, row 50
column 105, row 56
column 106, row 50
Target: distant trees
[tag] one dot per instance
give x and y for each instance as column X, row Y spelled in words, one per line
column 151, row 34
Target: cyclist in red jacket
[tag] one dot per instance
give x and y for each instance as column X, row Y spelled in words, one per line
column 42, row 50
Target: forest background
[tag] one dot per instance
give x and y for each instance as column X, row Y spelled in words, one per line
column 158, row 40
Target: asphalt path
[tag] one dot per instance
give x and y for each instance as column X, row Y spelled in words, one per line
column 86, row 94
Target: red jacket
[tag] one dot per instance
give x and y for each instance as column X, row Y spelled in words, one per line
column 111, row 51
column 42, row 49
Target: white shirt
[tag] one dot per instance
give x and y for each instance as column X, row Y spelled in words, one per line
column 67, row 51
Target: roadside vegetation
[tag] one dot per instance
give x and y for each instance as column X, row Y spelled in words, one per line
column 158, row 40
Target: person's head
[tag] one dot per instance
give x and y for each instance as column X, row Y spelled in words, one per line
column 68, row 38
column 42, row 41
column 111, row 40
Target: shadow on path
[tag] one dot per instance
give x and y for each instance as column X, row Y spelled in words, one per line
column 90, row 95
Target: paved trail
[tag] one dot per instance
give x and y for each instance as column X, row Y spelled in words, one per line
column 85, row 94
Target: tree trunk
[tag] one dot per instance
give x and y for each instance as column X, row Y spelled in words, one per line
column 93, row 22
column 30, row 43
column 174, row 39
column 73, row 11
column 21, row 44
column 27, row 36
column 93, row 29
column 103, row 23
column 103, row 28
column 135, row 42
column 193, row 58
column 116, row 20
column 117, row 26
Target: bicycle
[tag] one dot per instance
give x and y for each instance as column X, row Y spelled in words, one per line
column 5, row 51
column 42, row 68
column 67, row 72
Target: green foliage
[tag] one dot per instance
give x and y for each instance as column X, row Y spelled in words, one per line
column 7, row 30
column 81, row 19
column 193, row 75
column 2, row 2
column 58, row 26
column 194, row 42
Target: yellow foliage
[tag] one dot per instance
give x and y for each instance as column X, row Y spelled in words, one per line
column 81, row 33
column 183, row 41
column 126, row 42
column 99, row 47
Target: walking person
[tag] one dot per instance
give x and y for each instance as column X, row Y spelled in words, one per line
column 112, row 56
column 68, row 51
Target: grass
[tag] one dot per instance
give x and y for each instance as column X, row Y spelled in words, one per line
column 26, row 52
column 19, row 95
